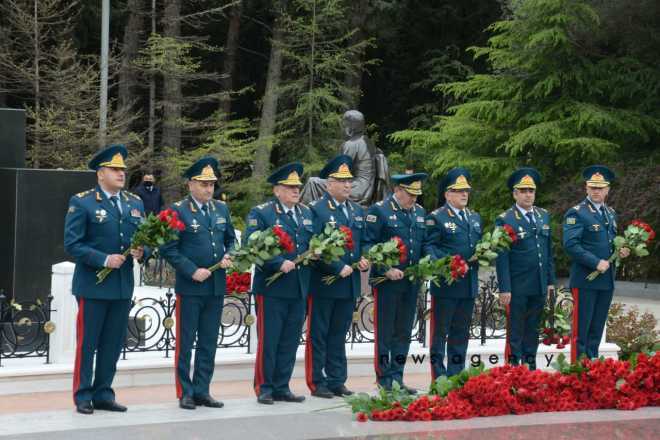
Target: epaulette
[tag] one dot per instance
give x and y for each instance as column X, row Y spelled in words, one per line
column 313, row 203
column 80, row 195
column 541, row 209
column 577, row 207
column 263, row 205
column 179, row 203
column 135, row 196
column 220, row 202
column 612, row 211
column 503, row 214
column 379, row 203
column 436, row 211
column 419, row 206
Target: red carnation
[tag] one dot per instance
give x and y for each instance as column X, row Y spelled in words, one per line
column 510, row 232
column 362, row 417
column 348, row 237
column 403, row 249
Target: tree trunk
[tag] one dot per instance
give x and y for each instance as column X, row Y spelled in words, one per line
column 269, row 108
column 152, row 90
column 172, row 95
column 127, row 73
column 231, row 51
column 353, row 77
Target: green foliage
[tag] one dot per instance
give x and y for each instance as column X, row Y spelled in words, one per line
column 363, row 402
column 319, row 51
column 443, row 385
column 549, row 103
column 632, row 331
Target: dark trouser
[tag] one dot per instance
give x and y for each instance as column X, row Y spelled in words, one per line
column 592, row 307
column 196, row 316
column 101, row 330
column 279, row 326
column 522, row 338
column 328, row 321
column 394, row 314
column 450, row 330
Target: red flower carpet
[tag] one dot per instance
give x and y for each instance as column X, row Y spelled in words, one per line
column 587, row 385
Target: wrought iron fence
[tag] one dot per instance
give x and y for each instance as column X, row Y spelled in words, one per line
column 25, row 328
column 152, row 320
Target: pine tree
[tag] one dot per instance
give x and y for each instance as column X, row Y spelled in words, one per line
column 551, row 102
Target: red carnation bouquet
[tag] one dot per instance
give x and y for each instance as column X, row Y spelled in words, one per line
column 449, row 268
column 261, row 246
column 238, row 283
column 327, row 246
column 637, row 236
column 155, row 231
column 491, row 243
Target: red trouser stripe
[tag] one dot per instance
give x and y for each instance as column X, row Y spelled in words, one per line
column 432, row 336
column 80, row 328
column 376, row 356
column 177, row 349
column 259, row 364
column 574, row 330
column 309, row 348
column 507, row 345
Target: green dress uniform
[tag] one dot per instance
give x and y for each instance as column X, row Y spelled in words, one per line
column 208, row 236
column 589, row 232
column 526, row 271
column 395, row 302
column 452, row 232
column 97, row 226
column 330, row 306
column 281, row 305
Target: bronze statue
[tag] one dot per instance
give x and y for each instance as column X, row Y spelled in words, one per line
column 371, row 182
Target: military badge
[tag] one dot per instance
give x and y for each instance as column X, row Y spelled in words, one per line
column 546, row 227
column 136, row 213
column 220, row 221
column 596, row 227
column 252, row 222
column 521, row 232
column 371, row 218
column 332, row 221
column 101, row 215
column 358, row 218
column 307, row 222
column 420, row 219
column 570, row 221
column 194, row 225
column 451, row 226
column 430, row 222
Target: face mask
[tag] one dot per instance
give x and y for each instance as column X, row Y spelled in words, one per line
column 149, row 185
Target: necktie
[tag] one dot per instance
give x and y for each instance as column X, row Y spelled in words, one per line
column 205, row 212
column 343, row 210
column 292, row 215
column 530, row 219
column 115, row 202
column 602, row 214
column 461, row 214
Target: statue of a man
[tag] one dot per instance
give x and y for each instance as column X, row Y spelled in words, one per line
column 371, row 182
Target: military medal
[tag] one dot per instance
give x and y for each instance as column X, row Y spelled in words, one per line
column 136, row 213
column 332, row 221
column 521, row 232
column 596, row 227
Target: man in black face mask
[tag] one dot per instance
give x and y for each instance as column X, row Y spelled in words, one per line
column 150, row 195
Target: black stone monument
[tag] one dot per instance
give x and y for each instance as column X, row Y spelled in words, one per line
column 33, row 204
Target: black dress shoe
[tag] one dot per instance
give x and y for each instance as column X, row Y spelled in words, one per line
column 109, row 405
column 265, row 398
column 187, row 402
column 342, row 391
column 208, row 401
column 289, row 397
column 323, row 393
column 85, row 407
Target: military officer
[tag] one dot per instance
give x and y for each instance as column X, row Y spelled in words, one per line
column 395, row 300
column 330, row 307
column 207, row 239
column 589, row 230
column 452, row 229
column 525, row 272
column 98, row 229
column 281, row 305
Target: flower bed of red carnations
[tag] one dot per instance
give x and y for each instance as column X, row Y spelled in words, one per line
column 586, row 385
